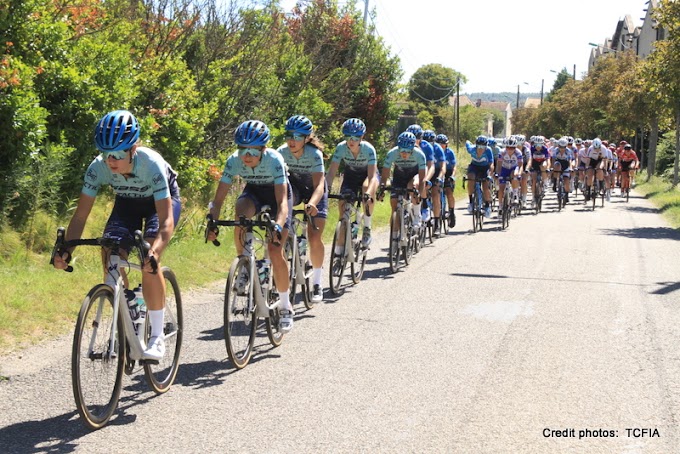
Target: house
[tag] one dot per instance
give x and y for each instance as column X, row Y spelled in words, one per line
column 532, row 103
column 628, row 37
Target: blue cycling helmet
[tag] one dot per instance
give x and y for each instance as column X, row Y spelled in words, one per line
column 406, row 140
column 481, row 140
column 441, row 138
column 118, row 130
column 491, row 142
column 252, row 132
column 416, row 130
column 353, row 127
column 429, row 135
column 300, row 125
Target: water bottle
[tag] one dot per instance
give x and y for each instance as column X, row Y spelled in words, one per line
column 131, row 300
column 355, row 229
column 263, row 267
column 302, row 246
column 141, row 308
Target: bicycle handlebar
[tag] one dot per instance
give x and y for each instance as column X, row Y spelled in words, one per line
column 307, row 217
column 263, row 220
column 61, row 245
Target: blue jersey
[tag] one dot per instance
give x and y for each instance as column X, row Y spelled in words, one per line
column 270, row 170
column 150, row 177
column 482, row 160
column 540, row 155
column 496, row 151
column 416, row 158
column 300, row 170
column 439, row 155
column 427, row 149
column 365, row 158
column 564, row 158
column 450, row 158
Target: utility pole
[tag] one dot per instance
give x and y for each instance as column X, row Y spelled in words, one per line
column 366, row 15
column 457, row 113
column 542, row 82
column 517, row 106
column 574, row 67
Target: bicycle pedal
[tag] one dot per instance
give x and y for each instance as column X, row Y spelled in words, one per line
column 153, row 362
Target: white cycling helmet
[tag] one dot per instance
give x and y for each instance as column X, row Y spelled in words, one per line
column 539, row 140
column 578, row 141
column 597, row 142
column 563, row 142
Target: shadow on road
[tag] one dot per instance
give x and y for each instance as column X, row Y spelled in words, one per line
column 639, row 209
column 587, row 281
column 667, row 287
column 647, row 233
column 45, row 435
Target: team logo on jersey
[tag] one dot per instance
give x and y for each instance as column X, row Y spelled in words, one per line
column 157, row 179
column 91, row 174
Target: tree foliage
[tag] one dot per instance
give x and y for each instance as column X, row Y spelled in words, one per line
column 190, row 70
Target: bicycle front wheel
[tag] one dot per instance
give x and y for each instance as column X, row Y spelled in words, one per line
column 161, row 376
column 338, row 261
column 96, row 370
column 240, row 320
column 395, row 237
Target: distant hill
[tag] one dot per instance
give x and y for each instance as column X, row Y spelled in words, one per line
column 506, row 96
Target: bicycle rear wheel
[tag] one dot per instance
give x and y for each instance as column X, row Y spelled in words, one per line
column 96, row 371
column 240, row 321
column 272, row 322
column 357, row 266
column 161, row 376
column 395, row 238
column 292, row 259
column 336, row 272
column 306, row 286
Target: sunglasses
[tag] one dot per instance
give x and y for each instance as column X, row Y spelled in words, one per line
column 116, row 155
column 294, row 136
column 253, row 152
column 352, row 138
column 406, row 150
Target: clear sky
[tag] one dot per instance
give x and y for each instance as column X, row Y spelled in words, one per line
column 498, row 44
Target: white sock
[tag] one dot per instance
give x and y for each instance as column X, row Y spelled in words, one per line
column 338, row 250
column 367, row 221
column 316, row 277
column 285, row 301
column 156, row 320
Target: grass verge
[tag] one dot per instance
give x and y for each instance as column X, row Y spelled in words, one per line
column 663, row 195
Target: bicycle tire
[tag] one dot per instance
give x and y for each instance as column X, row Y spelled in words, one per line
column 475, row 210
column 306, row 288
column 627, row 194
column 407, row 251
column 240, row 321
column 335, row 281
column 394, row 249
column 357, row 266
column 271, row 323
column 96, row 412
column 291, row 254
column 162, row 375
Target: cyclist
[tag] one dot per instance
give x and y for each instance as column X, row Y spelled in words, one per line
column 526, row 166
column 482, row 163
column 449, row 177
column 540, row 162
column 146, row 193
column 303, row 155
column 628, row 162
column 264, row 172
column 510, row 163
column 436, row 181
column 409, row 162
column 361, row 174
column 428, row 150
column 595, row 159
column 563, row 158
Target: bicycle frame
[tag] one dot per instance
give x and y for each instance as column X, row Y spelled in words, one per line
column 351, row 210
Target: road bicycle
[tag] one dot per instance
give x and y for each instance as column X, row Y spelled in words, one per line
column 505, row 206
column 107, row 343
column 477, row 204
column 347, row 238
column 442, row 226
column 297, row 252
column 403, row 235
column 561, row 193
column 250, row 293
column 539, row 192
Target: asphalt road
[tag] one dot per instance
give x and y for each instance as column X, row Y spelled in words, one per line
column 567, row 323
